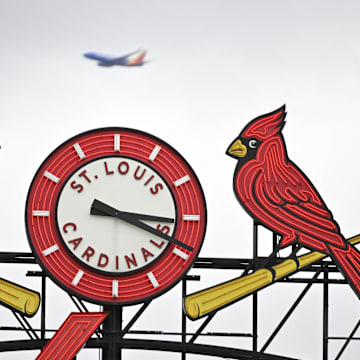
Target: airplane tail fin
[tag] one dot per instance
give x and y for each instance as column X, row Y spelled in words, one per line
column 138, row 60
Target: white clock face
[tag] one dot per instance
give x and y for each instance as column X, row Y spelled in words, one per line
column 106, row 243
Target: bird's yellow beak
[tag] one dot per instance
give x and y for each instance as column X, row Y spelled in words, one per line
column 238, row 149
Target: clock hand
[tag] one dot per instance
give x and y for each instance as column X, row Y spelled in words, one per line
column 131, row 218
column 96, row 211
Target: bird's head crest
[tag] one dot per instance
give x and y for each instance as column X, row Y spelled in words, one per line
column 266, row 126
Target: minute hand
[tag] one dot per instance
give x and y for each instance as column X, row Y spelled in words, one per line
column 95, row 211
column 132, row 219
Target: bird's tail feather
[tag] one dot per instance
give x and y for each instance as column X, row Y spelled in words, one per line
column 348, row 261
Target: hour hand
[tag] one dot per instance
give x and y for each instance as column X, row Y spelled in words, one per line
column 132, row 219
column 99, row 208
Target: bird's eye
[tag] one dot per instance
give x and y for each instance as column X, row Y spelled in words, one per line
column 253, row 143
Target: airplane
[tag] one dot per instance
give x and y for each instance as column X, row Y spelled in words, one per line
column 135, row 58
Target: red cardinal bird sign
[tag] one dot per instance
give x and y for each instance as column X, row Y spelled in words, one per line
column 279, row 196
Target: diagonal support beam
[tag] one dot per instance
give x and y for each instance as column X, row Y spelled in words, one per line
column 348, row 341
column 134, row 318
column 26, row 326
column 289, row 313
column 201, row 328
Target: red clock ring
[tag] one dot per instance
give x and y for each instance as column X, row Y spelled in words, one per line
column 63, row 268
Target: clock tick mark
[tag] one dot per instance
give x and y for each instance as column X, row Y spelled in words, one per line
column 152, row 279
column 191, row 217
column 182, row 180
column 115, row 288
column 79, row 151
column 51, row 176
column 77, row 277
column 180, row 253
column 117, row 142
column 50, row 250
column 155, row 152
column 41, row 213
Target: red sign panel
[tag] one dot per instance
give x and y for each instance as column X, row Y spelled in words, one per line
column 71, row 336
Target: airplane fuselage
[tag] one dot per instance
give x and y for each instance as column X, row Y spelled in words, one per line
column 133, row 59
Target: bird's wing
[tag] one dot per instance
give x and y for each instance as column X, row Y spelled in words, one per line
column 288, row 195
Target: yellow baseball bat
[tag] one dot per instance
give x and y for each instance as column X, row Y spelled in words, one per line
column 206, row 301
column 18, row 298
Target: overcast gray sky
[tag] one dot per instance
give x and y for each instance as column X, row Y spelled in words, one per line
column 214, row 65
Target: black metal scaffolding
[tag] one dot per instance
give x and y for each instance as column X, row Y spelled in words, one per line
column 111, row 337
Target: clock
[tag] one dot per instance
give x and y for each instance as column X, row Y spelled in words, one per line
column 115, row 216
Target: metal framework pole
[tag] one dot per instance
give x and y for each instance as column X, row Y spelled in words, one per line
column 112, row 327
column 43, row 306
column 255, row 295
column 183, row 321
column 326, row 315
